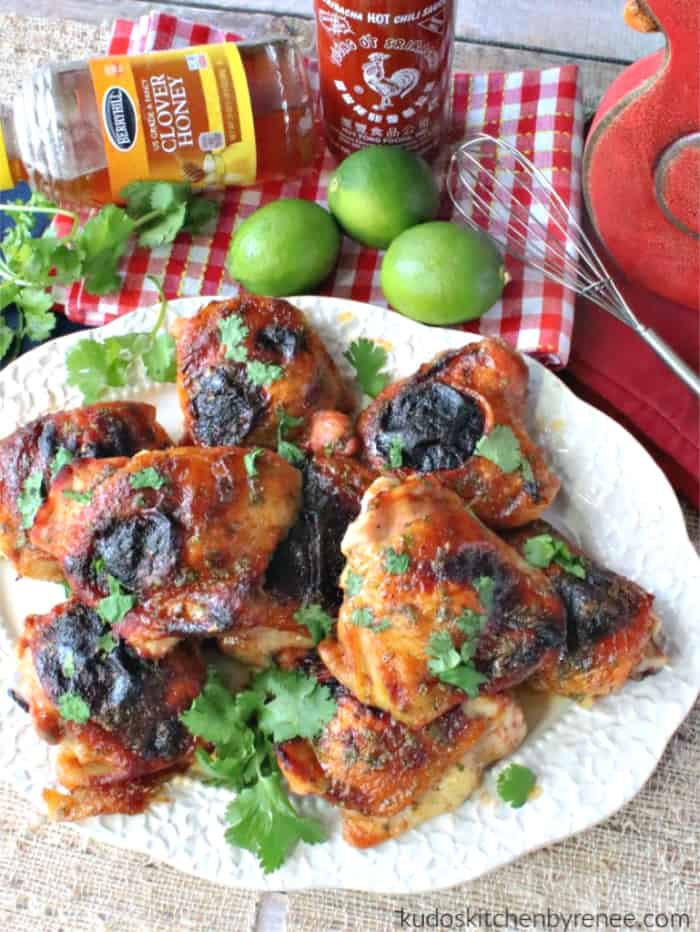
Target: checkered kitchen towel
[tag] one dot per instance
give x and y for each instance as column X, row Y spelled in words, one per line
column 539, row 111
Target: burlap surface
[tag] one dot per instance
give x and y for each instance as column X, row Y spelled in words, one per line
column 644, row 859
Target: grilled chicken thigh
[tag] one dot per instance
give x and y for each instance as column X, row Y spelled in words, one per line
column 34, row 455
column 611, row 630
column 114, row 714
column 231, row 389
column 432, row 422
column 306, row 566
column 186, row 533
column 387, row 778
column 421, row 566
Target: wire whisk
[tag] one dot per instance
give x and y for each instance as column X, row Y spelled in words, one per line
column 497, row 189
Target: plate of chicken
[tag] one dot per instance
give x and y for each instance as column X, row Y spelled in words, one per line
column 283, row 630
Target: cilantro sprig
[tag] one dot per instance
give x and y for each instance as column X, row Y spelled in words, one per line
column 368, row 359
column 94, row 366
column 73, row 708
column 502, row 447
column 243, row 728
column 453, row 666
column 30, row 498
column 290, row 451
column 318, row 621
column 543, row 550
column 364, row 618
column 233, row 333
column 114, row 607
column 396, row 563
column 155, row 212
column 148, row 478
column 514, row 784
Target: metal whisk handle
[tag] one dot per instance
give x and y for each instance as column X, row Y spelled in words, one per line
column 671, row 358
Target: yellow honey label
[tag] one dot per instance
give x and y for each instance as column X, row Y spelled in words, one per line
column 179, row 115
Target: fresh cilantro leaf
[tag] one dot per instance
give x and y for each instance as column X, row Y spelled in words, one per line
column 106, row 643
column 262, row 820
column 471, row 622
column 368, row 360
column 353, row 582
column 31, row 498
column 164, row 195
column 62, row 458
column 216, row 715
column 73, row 708
column 201, row 211
column 526, row 471
column 148, row 478
column 485, row 586
column 233, row 334
column 103, row 240
column 301, row 706
column 465, row 677
column 501, row 446
column 36, row 304
column 159, row 359
column 514, row 784
column 233, row 765
column 441, row 653
column 290, row 451
column 395, row 458
column 117, row 604
column 83, row 498
column 7, row 336
column 452, row 666
column 316, row 620
column 249, row 462
column 364, row 618
column 396, row 563
column 163, row 230
column 263, row 373
column 543, row 550
column 68, row 664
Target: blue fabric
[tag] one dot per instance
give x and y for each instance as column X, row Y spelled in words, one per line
column 63, row 326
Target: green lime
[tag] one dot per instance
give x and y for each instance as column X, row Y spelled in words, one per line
column 441, row 273
column 287, row 247
column 378, row 192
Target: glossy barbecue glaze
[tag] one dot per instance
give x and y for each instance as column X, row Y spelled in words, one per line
column 190, row 551
column 221, row 405
column 118, row 428
column 448, row 550
column 133, row 737
column 610, row 625
column 438, row 415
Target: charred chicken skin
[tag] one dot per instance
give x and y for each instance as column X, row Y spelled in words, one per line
column 114, row 714
column 387, row 778
column 418, row 564
column 432, row 422
column 224, row 400
column 611, row 630
column 186, row 533
column 306, row 566
column 110, row 429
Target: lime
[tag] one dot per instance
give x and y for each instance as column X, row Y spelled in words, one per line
column 378, row 192
column 287, row 247
column 441, row 273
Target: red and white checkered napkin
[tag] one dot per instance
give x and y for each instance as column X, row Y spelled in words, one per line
column 538, row 111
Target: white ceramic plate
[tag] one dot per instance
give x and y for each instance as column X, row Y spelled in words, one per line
column 589, row 762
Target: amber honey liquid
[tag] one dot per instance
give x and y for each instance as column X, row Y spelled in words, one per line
column 55, row 142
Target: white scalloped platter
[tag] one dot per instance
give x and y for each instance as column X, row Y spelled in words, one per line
column 588, row 761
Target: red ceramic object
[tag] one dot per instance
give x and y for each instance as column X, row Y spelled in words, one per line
column 642, row 159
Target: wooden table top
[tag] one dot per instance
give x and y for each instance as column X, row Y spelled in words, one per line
column 498, row 35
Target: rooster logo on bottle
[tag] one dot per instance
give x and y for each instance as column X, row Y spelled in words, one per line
column 398, row 84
